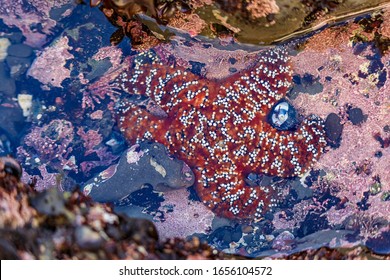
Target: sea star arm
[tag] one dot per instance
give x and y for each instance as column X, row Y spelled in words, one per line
column 222, row 130
column 170, row 87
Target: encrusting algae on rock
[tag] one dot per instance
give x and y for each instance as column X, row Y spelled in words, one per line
column 223, row 129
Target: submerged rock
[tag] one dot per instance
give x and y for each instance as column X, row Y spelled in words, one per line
column 285, row 241
column 333, row 130
column 380, row 244
column 145, row 163
column 356, row 116
column 20, row 50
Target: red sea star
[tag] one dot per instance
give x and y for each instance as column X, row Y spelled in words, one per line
column 220, row 129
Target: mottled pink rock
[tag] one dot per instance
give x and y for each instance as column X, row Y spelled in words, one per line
column 28, row 14
column 105, row 159
column 262, row 8
column 91, row 139
column 47, row 180
column 385, row 27
column 353, row 167
column 100, row 89
column 188, row 217
column 115, row 55
column 49, row 66
column 97, row 115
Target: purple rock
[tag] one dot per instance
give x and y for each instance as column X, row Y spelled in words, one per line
column 284, row 241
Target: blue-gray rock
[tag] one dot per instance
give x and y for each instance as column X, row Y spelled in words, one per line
column 7, row 84
column 333, row 130
column 145, row 163
column 20, row 50
column 18, row 65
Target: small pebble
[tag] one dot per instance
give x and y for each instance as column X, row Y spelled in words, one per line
column 20, row 50
column 25, row 102
column 355, row 115
column 284, row 241
column 385, row 196
column 88, row 239
column 7, row 85
column 378, row 154
column 375, row 188
column 4, row 45
column 333, row 130
column 247, row 229
column 18, row 65
column 49, row 203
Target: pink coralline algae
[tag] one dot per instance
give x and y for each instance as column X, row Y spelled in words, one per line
column 97, row 115
column 46, row 180
column 385, row 27
column 91, row 139
column 178, row 211
column 114, row 54
column 33, row 18
column 45, row 146
column 98, row 91
column 52, row 145
column 105, row 158
column 227, row 62
column 49, row 66
column 251, row 9
column 355, row 80
column 284, row 241
column 52, row 141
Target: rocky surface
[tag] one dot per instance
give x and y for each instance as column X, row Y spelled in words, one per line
column 55, row 225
